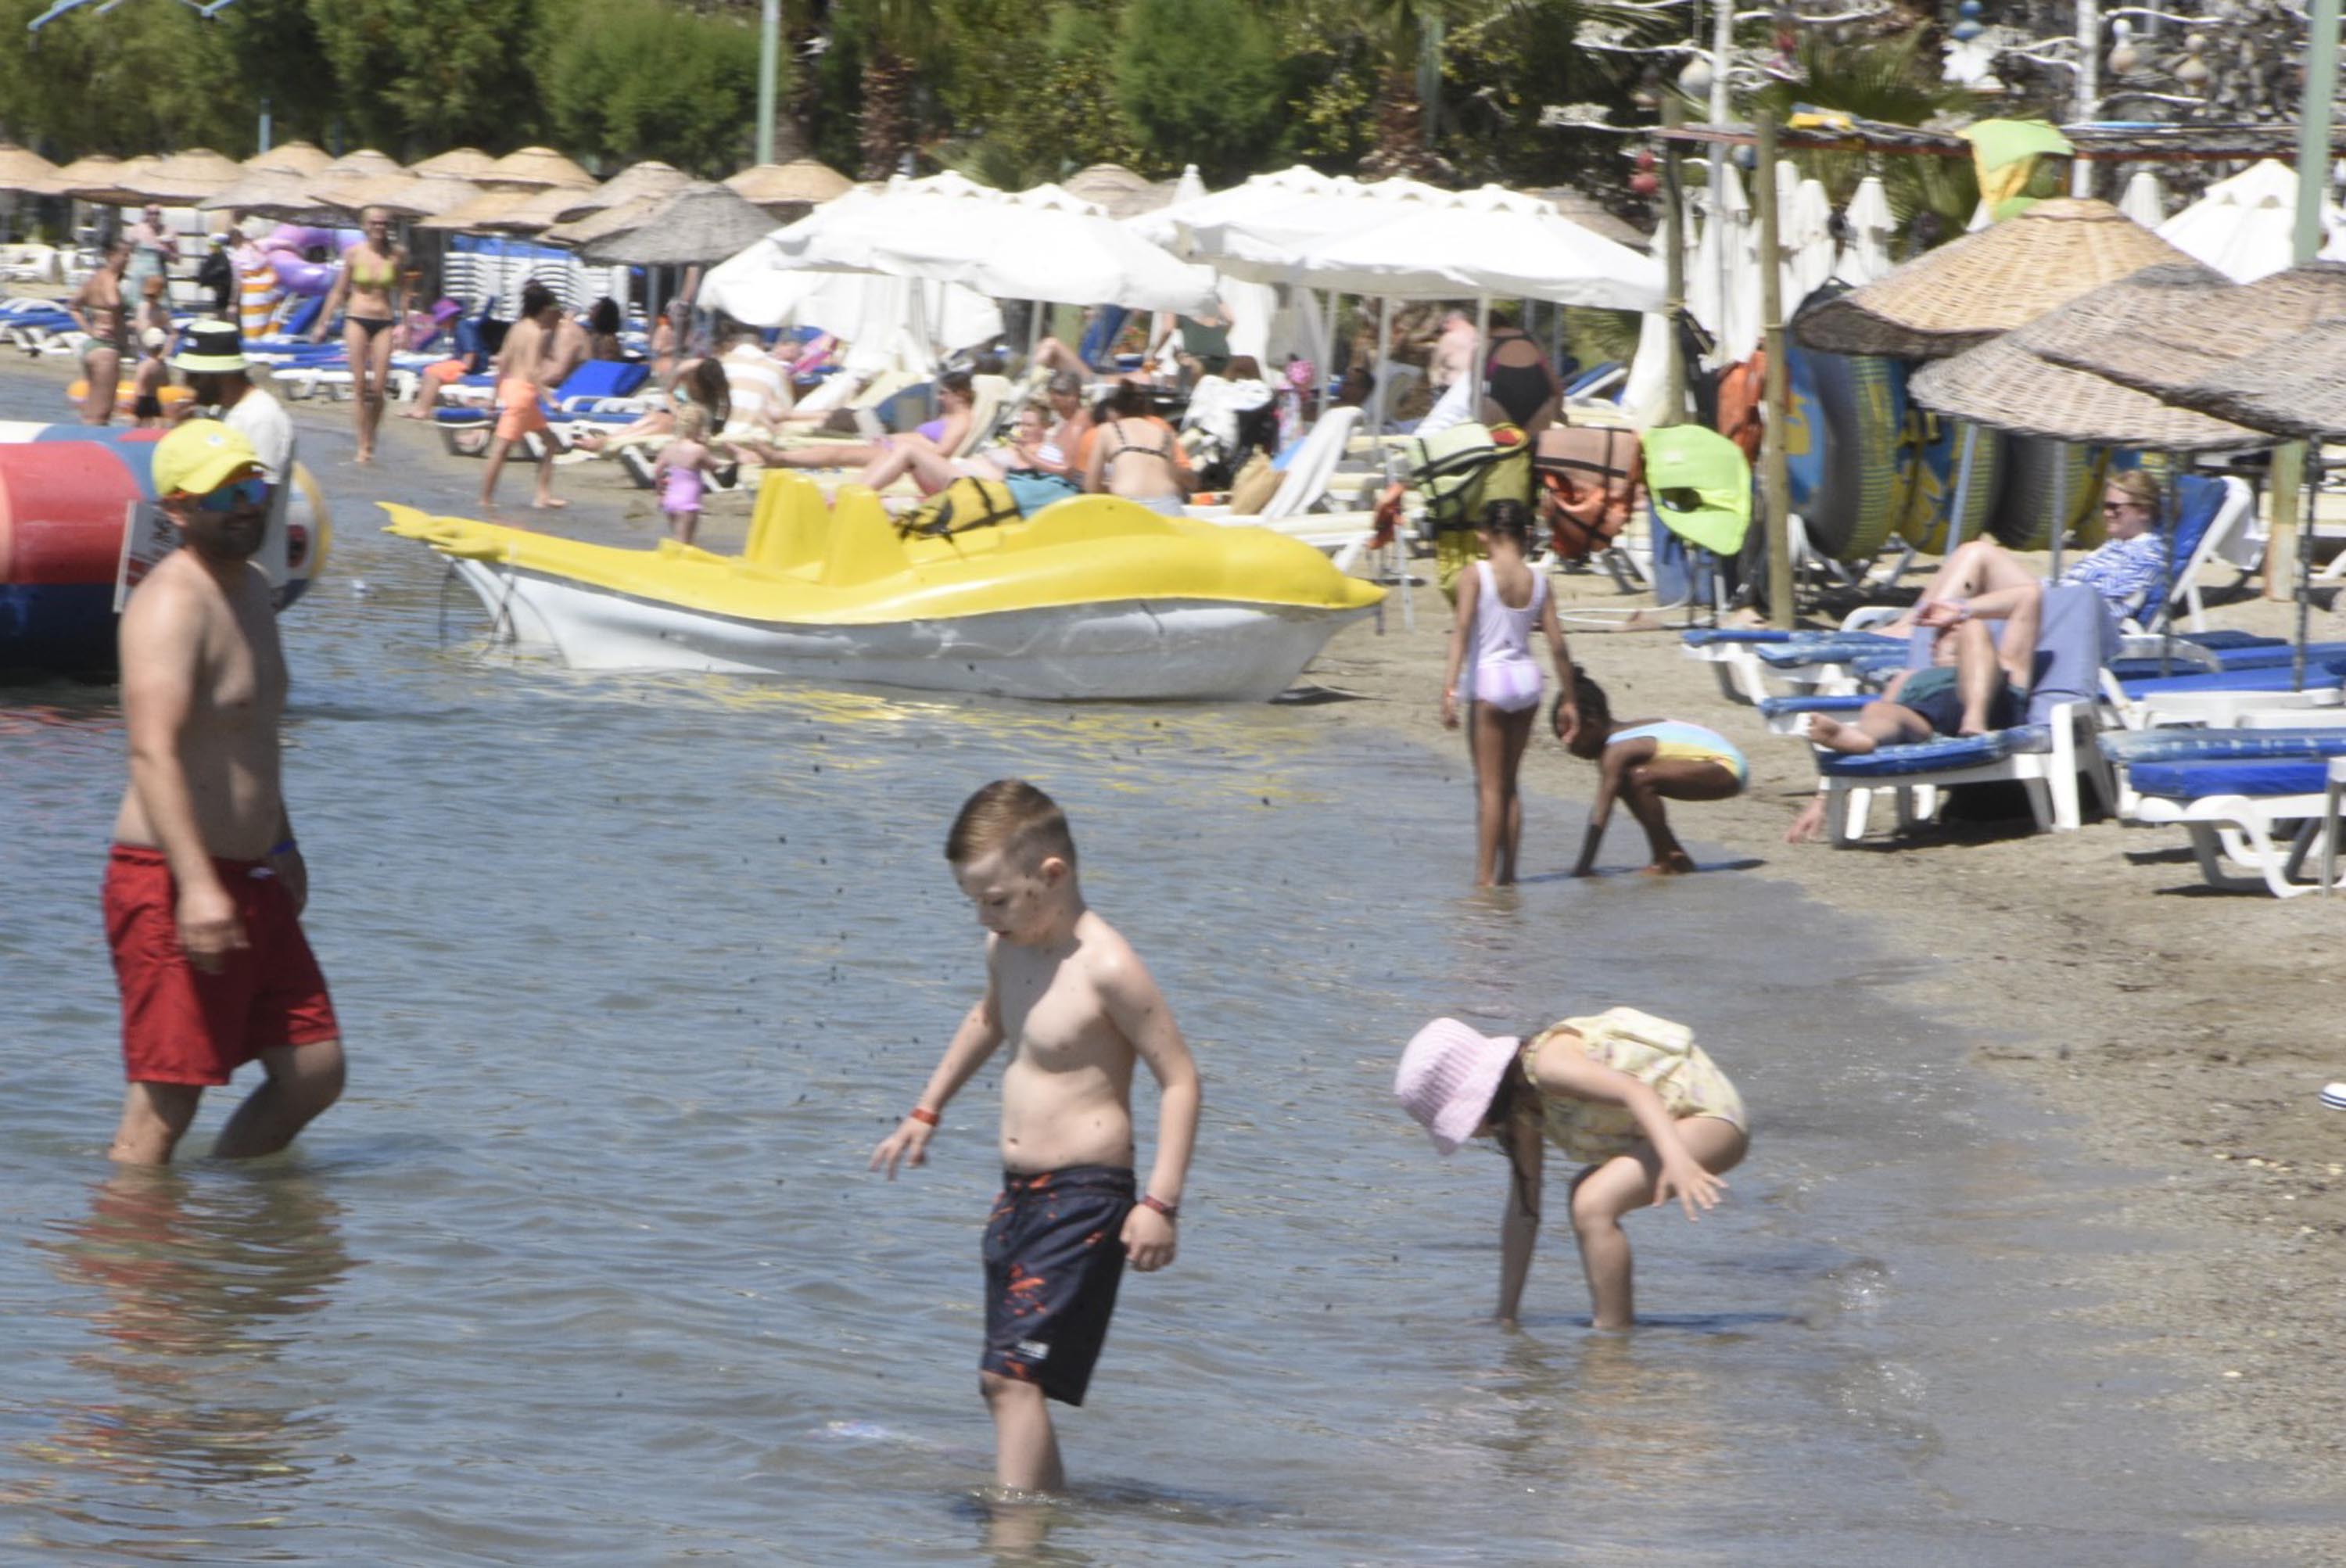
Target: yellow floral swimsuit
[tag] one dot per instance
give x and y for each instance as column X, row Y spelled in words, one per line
column 1658, row 1054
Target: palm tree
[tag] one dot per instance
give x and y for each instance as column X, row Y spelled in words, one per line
column 893, row 33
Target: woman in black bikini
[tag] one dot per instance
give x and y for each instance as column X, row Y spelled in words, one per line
column 1134, row 454
column 98, row 309
column 1518, row 386
column 373, row 285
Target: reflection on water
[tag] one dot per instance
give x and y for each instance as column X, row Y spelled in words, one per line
column 634, row 972
column 197, row 1296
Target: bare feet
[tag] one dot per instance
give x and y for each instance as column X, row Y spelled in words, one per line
column 1835, row 736
column 549, row 504
column 1672, row 863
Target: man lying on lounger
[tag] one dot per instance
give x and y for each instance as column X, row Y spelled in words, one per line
column 1973, row 683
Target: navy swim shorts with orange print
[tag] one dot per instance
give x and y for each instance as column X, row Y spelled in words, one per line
column 1054, row 1258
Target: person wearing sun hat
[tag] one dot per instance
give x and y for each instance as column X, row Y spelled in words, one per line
column 211, row 356
column 1630, row 1094
column 205, row 884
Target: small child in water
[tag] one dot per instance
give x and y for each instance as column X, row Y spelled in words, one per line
column 1077, row 1007
column 681, row 470
column 1630, row 1093
column 146, row 383
column 1644, row 764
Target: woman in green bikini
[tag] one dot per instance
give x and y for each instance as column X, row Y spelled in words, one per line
column 371, row 292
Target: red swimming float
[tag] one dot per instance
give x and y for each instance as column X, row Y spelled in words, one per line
column 67, row 494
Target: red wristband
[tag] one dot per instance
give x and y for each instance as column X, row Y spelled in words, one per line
column 1170, row 1210
column 924, row 1115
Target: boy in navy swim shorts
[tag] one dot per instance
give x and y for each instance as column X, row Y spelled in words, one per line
column 1077, row 1006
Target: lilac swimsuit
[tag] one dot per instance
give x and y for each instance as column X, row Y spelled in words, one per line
column 682, row 490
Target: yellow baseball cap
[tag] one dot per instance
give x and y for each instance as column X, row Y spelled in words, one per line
column 199, row 457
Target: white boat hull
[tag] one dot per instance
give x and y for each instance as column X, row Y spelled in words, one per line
column 1129, row 651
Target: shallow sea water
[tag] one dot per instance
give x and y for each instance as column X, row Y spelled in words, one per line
column 588, row 1269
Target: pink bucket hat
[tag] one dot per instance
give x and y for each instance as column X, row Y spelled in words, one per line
column 1448, row 1076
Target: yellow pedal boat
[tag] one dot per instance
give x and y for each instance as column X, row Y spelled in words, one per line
column 1091, row 598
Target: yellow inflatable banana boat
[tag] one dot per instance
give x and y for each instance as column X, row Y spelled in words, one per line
column 1091, row 598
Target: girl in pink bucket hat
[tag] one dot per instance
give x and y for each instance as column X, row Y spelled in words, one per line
column 1630, row 1094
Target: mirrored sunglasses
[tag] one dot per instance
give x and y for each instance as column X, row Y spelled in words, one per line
column 243, row 493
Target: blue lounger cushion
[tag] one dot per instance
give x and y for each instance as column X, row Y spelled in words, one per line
column 1832, row 650
column 2134, row 747
column 1703, row 637
column 2325, row 674
column 602, row 379
column 1850, row 702
column 2145, row 666
column 2198, row 780
column 2230, row 640
column 1943, row 754
column 463, row 415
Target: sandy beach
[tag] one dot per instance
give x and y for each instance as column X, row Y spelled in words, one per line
column 2181, row 1035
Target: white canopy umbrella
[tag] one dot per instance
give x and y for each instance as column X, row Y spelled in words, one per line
column 1266, row 243
column 1871, row 226
column 886, row 323
column 2145, row 200
column 1041, row 244
column 1723, row 279
column 1486, row 243
column 1807, row 235
column 2243, row 227
column 1169, row 226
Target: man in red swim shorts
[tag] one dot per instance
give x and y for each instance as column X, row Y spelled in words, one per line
column 204, row 886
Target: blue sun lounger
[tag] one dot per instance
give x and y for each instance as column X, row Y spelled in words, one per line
column 2045, row 755
column 2261, row 813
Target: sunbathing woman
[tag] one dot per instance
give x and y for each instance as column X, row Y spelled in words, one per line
column 2132, row 561
column 1134, row 454
column 933, row 469
column 942, row 435
column 372, row 291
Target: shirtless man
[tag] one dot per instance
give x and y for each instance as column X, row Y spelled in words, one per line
column 99, row 308
column 1078, row 1008
column 535, row 357
column 204, row 886
column 1453, row 358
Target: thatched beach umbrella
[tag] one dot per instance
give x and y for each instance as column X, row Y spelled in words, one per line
column 788, row 191
column 330, row 186
column 456, row 163
column 27, row 172
column 650, row 177
column 2294, row 387
column 627, row 215
column 2158, row 350
column 536, row 166
column 292, row 157
column 474, row 216
column 2006, row 275
column 278, row 193
column 2013, row 382
column 702, row 223
column 406, row 196
column 525, row 211
column 187, row 177
column 1118, row 190
column 113, row 183
column 93, row 171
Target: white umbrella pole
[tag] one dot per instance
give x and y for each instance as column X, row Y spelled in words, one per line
column 2304, row 593
column 1482, row 346
column 1034, row 333
column 1383, row 360
column 2060, row 506
column 1962, row 488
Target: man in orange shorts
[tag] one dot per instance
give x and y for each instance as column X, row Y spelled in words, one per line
column 527, row 364
column 205, row 885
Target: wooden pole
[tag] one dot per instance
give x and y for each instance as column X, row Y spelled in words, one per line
column 1674, row 381
column 1775, row 477
column 2313, row 125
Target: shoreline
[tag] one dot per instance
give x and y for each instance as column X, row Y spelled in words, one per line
column 2195, row 1058
column 2197, row 1045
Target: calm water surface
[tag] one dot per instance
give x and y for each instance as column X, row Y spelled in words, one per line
column 586, row 1268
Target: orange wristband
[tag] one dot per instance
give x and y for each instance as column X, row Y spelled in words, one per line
column 924, row 1115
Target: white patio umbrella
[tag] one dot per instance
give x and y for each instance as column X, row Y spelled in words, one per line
column 1169, row 226
column 1042, row 244
column 2243, row 227
column 2145, row 200
column 1264, row 243
column 1487, row 243
column 1723, row 279
column 1871, row 226
column 888, row 323
column 1807, row 236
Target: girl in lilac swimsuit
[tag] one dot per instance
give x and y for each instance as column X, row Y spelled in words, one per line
column 1492, row 667
column 681, row 469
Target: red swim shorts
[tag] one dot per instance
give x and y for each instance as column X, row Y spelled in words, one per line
column 181, row 1026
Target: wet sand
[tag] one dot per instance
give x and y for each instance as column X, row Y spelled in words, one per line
column 2181, row 1035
